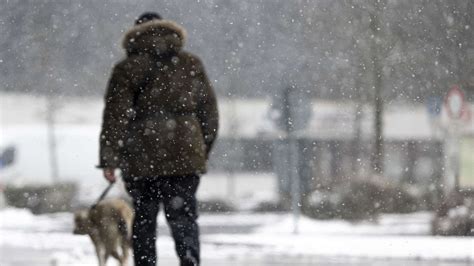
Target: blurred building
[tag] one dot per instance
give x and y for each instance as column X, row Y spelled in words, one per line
column 329, row 148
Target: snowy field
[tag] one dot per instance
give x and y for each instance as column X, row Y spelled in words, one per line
column 393, row 239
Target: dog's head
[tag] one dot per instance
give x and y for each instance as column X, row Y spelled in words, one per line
column 82, row 223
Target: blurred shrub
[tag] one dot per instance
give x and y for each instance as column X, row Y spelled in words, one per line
column 271, row 206
column 454, row 216
column 42, row 198
column 362, row 199
column 215, row 206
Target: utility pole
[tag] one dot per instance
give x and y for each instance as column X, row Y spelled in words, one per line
column 51, row 107
column 289, row 106
column 234, row 154
column 358, row 139
column 295, row 109
column 295, row 182
column 375, row 27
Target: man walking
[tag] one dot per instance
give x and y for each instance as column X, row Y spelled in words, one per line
column 159, row 123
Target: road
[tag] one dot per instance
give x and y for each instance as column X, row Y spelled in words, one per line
column 47, row 241
column 32, row 257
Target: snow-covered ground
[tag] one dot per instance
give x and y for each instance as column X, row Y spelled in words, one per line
column 391, row 238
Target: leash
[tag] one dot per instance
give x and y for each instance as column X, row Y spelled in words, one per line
column 102, row 196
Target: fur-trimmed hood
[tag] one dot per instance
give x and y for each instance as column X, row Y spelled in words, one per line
column 157, row 37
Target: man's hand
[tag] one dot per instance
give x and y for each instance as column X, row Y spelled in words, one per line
column 109, row 174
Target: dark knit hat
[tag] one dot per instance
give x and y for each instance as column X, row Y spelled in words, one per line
column 147, row 16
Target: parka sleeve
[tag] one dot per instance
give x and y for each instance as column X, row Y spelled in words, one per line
column 116, row 116
column 208, row 114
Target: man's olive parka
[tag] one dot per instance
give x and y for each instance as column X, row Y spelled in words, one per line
column 160, row 116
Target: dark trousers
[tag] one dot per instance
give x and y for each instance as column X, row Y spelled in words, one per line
column 178, row 195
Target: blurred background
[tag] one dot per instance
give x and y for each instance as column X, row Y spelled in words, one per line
column 349, row 110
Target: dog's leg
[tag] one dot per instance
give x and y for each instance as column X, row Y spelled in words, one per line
column 106, row 257
column 125, row 250
column 99, row 247
column 118, row 257
column 100, row 251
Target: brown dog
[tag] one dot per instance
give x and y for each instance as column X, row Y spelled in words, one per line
column 109, row 225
